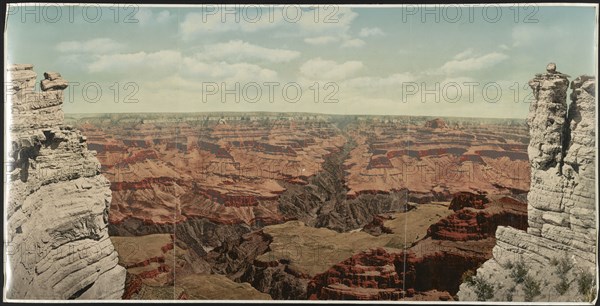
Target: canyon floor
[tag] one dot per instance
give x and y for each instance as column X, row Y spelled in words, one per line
column 306, row 206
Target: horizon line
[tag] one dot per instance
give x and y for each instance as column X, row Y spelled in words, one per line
column 296, row 113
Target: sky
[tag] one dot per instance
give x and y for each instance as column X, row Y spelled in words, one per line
column 442, row 60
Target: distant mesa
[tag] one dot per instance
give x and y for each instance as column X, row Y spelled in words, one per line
column 436, row 123
column 468, row 199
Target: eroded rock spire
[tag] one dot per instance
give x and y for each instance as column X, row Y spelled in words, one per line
column 57, row 239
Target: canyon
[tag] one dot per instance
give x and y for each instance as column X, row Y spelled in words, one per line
column 296, row 206
column 279, row 201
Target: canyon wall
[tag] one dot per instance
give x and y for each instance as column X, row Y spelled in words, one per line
column 56, row 239
column 558, row 251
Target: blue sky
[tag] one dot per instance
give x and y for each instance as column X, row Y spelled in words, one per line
column 362, row 60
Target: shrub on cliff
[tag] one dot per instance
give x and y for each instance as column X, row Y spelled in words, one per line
column 531, row 287
column 563, row 266
column 483, row 289
column 518, row 271
column 468, row 277
column 586, row 285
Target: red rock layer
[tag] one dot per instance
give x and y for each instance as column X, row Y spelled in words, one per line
column 479, row 222
column 468, row 199
column 435, row 124
column 387, row 274
column 133, row 285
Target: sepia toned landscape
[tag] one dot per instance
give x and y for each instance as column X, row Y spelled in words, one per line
column 158, row 200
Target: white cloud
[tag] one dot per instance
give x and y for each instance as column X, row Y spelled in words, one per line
column 372, row 82
column 459, row 80
column 172, row 65
column 333, row 22
column 473, row 63
column 195, row 25
column 366, row 32
column 223, row 71
column 531, row 35
column 133, row 61
column 464, row 54
column 327, row 70
column 346, row 41
column 163, row 16
column 353, row 43
column 321, row 40
column 97, row 45
column 145, row 16
column 237, row 50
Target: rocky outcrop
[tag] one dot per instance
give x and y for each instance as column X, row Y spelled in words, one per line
column 394, row 274
column 198, row 234
column 436, row 123
column 461, row 200
column 474, row 220
column 57, row 209
column 238, row 260
column 561, row 201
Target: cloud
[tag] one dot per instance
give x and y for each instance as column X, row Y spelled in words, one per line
column 145, row 16
column 194, row 25
column 346, row 41
column 121, row 62
column 327, row 70
column 373, row 82
column 315, row 27
column 531, row 35
column 223, row 71
column 172, row 65
column 353, row 43
column 473, row 63
column 366, row 32
column 163, row 16
column 237, row 50
column 459, row 80
column 321, row 40
column 464, row 54
column 97, row 45
column 334, row 21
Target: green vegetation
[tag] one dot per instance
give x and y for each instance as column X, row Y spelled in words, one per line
column 562, row 287
column 563, row 266
column 483, row 289
column 531, row 287
column 518, row 271
column 509, row 294
column 468, row 277
column 586, row 285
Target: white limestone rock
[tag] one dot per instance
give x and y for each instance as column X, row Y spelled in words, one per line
column 561, row 201
column 58, row 245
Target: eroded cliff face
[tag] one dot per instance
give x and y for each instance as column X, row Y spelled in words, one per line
column 57, row 241
column 558, row 249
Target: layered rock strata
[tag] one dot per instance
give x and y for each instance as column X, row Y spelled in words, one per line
column 57, row 242
column 561, row 201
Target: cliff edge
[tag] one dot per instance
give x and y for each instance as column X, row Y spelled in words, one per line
column 555, row 260
column 56, row 240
